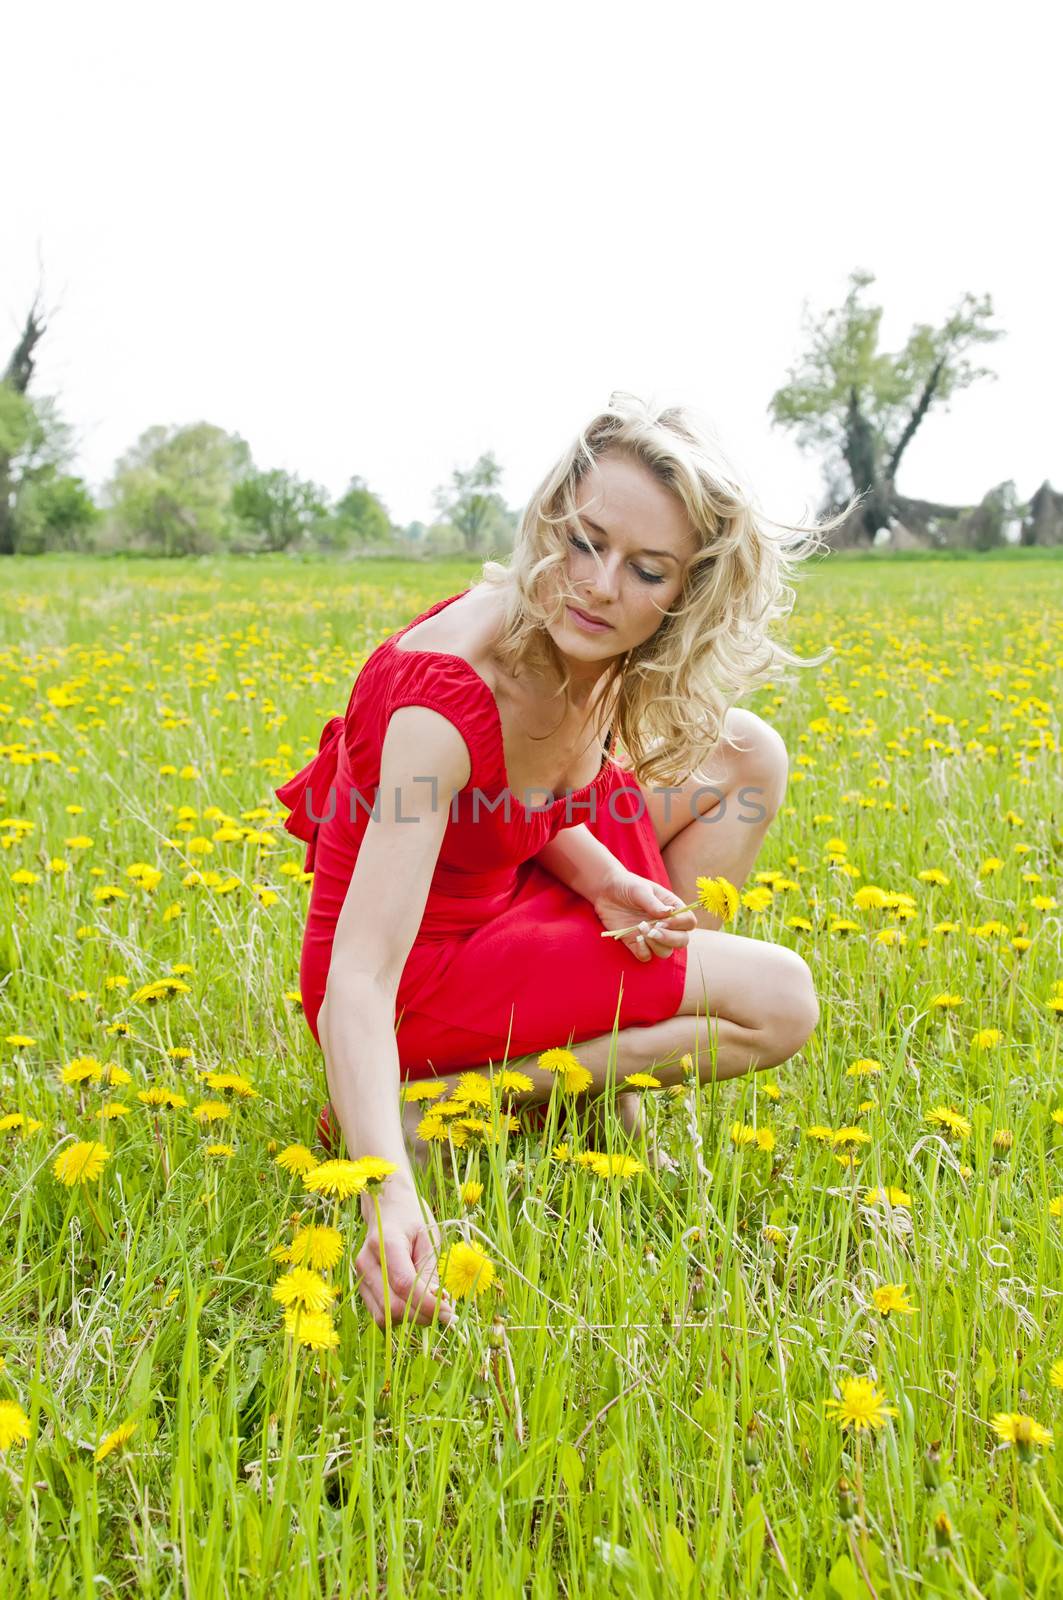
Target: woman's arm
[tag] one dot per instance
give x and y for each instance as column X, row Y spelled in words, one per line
column 580, row 860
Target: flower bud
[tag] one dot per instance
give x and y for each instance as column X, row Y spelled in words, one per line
column 932, row 1466
column 943, row 1534
column 846, row 1503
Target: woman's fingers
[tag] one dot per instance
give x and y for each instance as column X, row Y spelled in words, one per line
column 413, row 1295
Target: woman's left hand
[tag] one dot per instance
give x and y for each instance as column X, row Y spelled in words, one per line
column 627, row 898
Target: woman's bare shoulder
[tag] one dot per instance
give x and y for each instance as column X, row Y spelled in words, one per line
column 469, row 628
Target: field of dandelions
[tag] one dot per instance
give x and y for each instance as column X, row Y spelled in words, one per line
column 822, row 1358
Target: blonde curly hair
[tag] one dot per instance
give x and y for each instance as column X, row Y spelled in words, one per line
column 668, row 697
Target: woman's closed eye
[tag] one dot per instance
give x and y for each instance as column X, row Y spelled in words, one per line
column 647, row 577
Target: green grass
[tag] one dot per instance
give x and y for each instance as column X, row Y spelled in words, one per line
column 649, row 1416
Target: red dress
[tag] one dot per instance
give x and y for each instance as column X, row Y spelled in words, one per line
column 508, row 960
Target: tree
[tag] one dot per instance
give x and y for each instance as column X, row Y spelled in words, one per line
column 172, row 493
column 471, row 503
column 359, row 518
column 862, row 407
column 55, row 512
column 21, row 429
column 277, row 509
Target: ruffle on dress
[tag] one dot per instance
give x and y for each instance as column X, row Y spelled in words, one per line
column 310, row 795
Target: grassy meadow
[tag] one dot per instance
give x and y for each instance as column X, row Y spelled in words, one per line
column 823, row 1358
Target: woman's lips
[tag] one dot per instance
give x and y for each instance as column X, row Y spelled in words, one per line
column 589, row 624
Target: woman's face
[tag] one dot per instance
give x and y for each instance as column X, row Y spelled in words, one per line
column 644, row 540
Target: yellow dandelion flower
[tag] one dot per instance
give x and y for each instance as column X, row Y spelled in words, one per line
column 219, row 1150
column 111, row 1109
column 14, row 1424
column 471, row 1193
column 615, row 1166
column 313, row 1329
column 952, row 1121
column 817, row 1131
column 231, row 1082
column 946, row 1001
column 986, row 1038
column 860, row 1406
column 863, row 1067
column 81, row 1068
column 577, row 1080
column 14, row 1119
column 890, row 1195
column 558, row 1060
column 850, row 1136
column 301, row 1287
column 113, row 1441
column 425, row 1089
column 431, row 1128
column 892, row 1299
column 870, row 898
column 297, row 1159
column 19, row 1041
column 719, row 897
column 158, row 1095
column 561, row 1152
column 374, row 1169
column 339, row 1178
column 473, row 1087
column 512, row 1082
column 80, row 1163
column 1055, row 1374
column 1023, row 1433
column 742, row 1134
column 212, row 1111
column 464, row 1270
column 640, row 1080
column 316, row 1247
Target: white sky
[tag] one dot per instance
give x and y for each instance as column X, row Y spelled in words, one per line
column 381, row 239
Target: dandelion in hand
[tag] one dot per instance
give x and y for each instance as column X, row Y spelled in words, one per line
column 717, row 896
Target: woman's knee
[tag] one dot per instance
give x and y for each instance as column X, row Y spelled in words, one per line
column 792, row 1010
column 765, row 988
column 761, row 760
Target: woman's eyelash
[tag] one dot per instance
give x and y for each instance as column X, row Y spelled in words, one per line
column 647, row 577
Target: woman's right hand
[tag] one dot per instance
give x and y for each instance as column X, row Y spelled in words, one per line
column 410, row 1249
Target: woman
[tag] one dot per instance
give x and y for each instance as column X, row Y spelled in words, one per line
column 471, row 839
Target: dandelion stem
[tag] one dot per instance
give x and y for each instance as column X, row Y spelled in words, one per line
column 857, row 1555
column 673, row 911
column 1039, row 1486
column 95, row 1215
column 971, row 1585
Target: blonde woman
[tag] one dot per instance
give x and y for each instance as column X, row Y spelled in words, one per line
column 472, row 832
